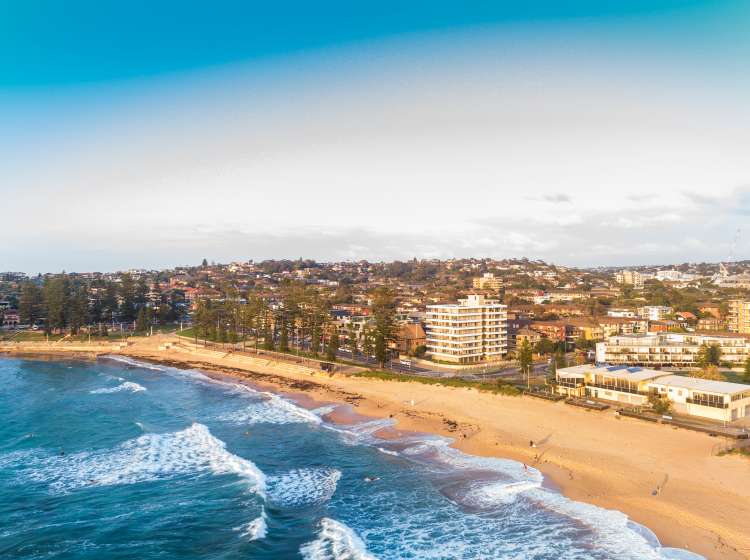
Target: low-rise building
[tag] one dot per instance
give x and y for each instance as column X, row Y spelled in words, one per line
column 669, row 349
column 703, row 398
column 654, row 312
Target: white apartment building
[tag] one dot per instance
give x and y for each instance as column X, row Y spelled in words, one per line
column 738, row 319
column 488, row 281
column 471, row 331
column 631, row 277
column 654, row 312
column 621, row 313
column 714, row 400
column 669, row 349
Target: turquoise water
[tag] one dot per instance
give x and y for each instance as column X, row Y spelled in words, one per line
column 114, row 459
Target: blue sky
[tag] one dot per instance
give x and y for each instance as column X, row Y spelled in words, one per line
column 145, row 135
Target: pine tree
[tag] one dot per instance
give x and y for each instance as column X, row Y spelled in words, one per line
column 525, row 358
column 30, row 304
column 141, row 322
column 384, row 308
column 127, row 297
column 333, row 345
column 283, row 335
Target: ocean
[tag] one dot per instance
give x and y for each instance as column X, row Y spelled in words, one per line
column 115, row 459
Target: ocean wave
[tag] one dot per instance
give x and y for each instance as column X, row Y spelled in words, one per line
column 146, row 458
column 270, row 409
column 255, row 529
column 133, row 363
column 302, row 487
column 335, row 541
column 129, row 386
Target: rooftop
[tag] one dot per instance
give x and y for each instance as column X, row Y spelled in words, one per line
column 698, row 384
column 619, row 372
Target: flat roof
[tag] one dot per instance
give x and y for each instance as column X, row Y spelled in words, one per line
column 709, row 385
column 618, row 372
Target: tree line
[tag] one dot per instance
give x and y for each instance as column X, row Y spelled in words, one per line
column 68, row 303
column 298, row 318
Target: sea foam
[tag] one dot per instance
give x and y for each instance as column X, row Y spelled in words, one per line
column 335, row 541
column 255, row 529
column 128, row 386
column 270, row 409
column 302, row 487
column 193, row 450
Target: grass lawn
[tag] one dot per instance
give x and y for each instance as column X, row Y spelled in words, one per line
column 485, row 386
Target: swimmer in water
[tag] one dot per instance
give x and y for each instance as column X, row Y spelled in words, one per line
column 371, row 478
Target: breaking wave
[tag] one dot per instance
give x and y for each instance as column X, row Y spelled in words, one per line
column 129, row 386
column 270, row 409
column 146, row 458
column 255, row 529
column 335, row 541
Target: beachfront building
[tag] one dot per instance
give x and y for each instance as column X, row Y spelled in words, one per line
column 738, row 318
column 669, row 349
column 703, row 398
column 471, row 331
column 612, row 383
column 717, row 400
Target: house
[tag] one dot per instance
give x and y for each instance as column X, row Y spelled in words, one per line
column 10, row 319
column 527, row 334
column 409, row 337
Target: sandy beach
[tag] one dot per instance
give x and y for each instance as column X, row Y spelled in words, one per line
column 595, row 457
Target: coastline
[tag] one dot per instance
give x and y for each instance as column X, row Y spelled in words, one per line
column 588, row 456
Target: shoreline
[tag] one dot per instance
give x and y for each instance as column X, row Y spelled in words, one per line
column 703, row 507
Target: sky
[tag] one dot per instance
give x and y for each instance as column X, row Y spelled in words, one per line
column 585, row 133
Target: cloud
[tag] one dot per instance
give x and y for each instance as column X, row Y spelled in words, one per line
column 557, row 198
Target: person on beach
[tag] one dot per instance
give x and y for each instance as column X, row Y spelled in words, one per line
column 531, row 443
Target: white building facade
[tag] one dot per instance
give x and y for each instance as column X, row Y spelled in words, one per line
column 474, row 330
column 669, row 349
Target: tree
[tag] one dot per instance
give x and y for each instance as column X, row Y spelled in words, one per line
column 367, row 342
column 204, row 264
column 561, row 361
column 544, row 346
column 420, row 351
column 352, row 340
column 78, row 312
column 127, row 298
column 30, row 304
column 746, row 373
column 525, row 357
column 709, row 355
column 283, row 335
column 661, row 405
column 56, row 293
column 333, row 345
column 142, row 320
column 384, row 311
column 709, row 372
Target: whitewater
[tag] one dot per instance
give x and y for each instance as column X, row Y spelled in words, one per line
column 117, row 459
